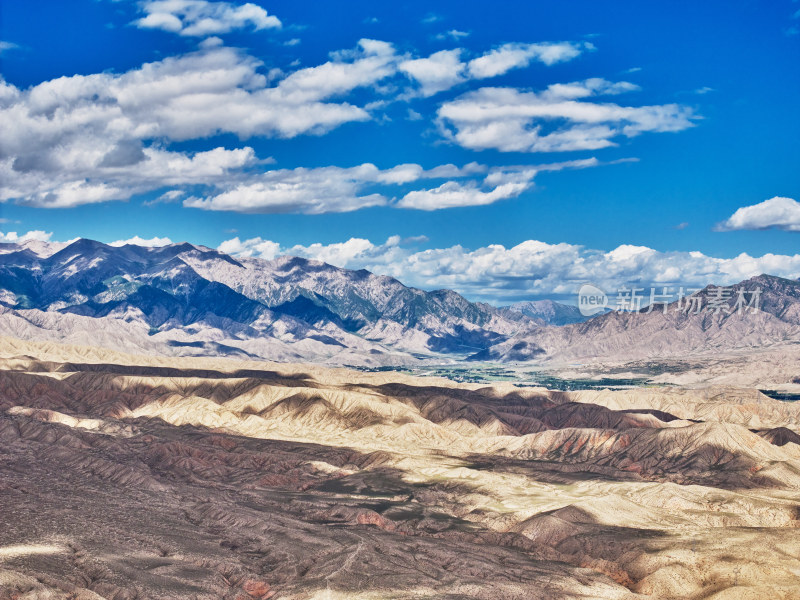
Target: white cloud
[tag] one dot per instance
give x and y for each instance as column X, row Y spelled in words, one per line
column 154, row 242
column 351, row 251
column 530, row 269
column 322, row 189
column 78, row 181
column 219, row 90
column 252, row 247
column 167, row 197
column 554, row 120
column 445, row 69
column 203, row 18
column 84, row 139
column 499, row 185
column 438, row 72
column 336, row 189
column 594, row 86
column 355, row 251
column 775, row 213
column 373, row 61
column 75, row 193
column 513, row 56
column 165, row 21
column 5, row 46
column 453, row 34
column 211, row 42
column 90, row 139
column 96, row 138
column 13, row 237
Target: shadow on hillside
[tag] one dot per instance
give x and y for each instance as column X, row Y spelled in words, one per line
column 257, row 507
column 89, row 393
column 520, row 414
column 709, row 465
column 156, row 371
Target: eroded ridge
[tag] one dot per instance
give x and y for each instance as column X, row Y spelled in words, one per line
column 126, row 477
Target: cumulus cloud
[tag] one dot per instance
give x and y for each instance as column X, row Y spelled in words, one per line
column 498, row 185
column 154, row 242
column 12, row 237
column 93, row 138
column 203, row 18
column 446, row 69
column 530, row 269
column 556, row 119
column 438, row 72
column 513, row 56
column 775, row 213
column 80, row 182
column 336, row 189
column 354, row 253
column 371, row 62
column 109, row 136
column 196, row 95
column 251, row 247
column 310, row 191
column 323, row 189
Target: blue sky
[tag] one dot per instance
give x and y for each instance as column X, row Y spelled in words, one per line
column 604, row 141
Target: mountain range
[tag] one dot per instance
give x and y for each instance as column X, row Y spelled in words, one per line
column 188, row 300
column 185, row 299
column 710, row 323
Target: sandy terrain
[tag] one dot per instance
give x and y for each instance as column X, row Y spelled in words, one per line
column 141, row 477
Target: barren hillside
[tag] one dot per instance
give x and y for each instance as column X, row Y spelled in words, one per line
column 129, row 477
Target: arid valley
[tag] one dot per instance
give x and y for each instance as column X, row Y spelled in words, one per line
column 128, row 477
